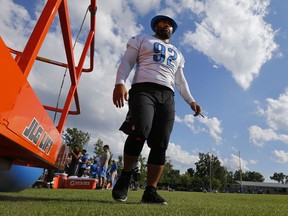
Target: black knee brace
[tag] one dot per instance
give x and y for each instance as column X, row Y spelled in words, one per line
column 134, row 145
column 157, row 156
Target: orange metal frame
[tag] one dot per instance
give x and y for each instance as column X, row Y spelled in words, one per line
column 27, row 134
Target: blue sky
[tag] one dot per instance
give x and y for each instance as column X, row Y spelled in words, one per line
column 236, row 67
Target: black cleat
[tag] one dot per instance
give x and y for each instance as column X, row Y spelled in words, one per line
column 120, row 189
column 150, row 196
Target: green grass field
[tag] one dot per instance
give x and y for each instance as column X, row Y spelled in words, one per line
column 99, row 202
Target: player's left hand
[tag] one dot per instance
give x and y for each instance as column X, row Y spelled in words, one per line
column 196, row 108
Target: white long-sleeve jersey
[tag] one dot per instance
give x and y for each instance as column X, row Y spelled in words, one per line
column 156, row 62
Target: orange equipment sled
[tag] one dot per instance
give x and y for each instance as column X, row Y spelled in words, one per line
column 28, row 136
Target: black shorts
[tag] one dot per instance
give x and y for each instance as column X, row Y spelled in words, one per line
column 152, row 112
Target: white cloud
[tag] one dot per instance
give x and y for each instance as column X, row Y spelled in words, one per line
column 16, row 24
column 234, row 163
column 253, row 162
column 280, row 156
column 190, row 122
column 259, row 136
column 260, row 111
column 277, row 121
column 143, row 7
column 235, row 35
column 179, row 6
column 212, row 126
column 276, row 112
column 180, row 158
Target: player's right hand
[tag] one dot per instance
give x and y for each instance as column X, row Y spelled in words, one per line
column 120, row 95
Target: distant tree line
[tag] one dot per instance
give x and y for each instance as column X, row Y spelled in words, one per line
column 208, row 173
column 280, row 178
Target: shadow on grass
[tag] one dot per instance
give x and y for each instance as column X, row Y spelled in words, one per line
column 5, row 198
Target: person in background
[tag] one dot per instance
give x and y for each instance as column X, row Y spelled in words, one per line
column 104, row 160
column 94, row 170
column 113, row 173
column 75, row 155
column 136, row 174
column 83, row 163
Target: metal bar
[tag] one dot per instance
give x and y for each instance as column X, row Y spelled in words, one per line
column 67, row 38
column 93, row 10
column 67, row 105
column 84, row 53
column 37, row 37
column 73, row 88
column 54, row 109
column 49, row 61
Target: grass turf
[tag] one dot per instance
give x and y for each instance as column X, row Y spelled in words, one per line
column 60, row 202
